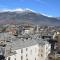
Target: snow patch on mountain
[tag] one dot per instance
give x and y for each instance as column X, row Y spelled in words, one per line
column 15, row 10
column 22, row 10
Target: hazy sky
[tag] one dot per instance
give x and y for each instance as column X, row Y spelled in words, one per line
column 48, row 7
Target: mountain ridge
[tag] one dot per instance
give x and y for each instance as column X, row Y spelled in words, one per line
column 27, row 16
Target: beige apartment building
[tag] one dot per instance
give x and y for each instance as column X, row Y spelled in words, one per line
column 27, row 49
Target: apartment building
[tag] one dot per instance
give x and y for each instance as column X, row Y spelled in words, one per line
column 27, row 49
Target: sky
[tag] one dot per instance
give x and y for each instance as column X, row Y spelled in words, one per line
column 47, row 7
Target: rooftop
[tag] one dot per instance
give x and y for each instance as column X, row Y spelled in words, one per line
column 19, row 43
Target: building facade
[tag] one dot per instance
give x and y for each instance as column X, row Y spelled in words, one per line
column 30, row 50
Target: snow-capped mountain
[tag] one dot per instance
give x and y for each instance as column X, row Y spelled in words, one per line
column 27, row 15
column 15, row 10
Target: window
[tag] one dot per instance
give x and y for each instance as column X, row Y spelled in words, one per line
column 38, row 54
column 35, row 58
column 46, row 47
column 27, row 59
column 31, row 51
column 26, row 49
column 15, row 58
column 8, row 58
column 41, row 55
column 21, row 57
column 35, row 49
column 26, row 55
column 21, row 50
column 41, row 50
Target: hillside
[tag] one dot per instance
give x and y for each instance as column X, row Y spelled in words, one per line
column 27, row 16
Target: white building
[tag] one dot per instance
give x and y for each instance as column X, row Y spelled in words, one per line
column 27, row 49
column 28, row 31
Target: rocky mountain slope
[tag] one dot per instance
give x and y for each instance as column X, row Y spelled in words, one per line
column 27, row 16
